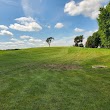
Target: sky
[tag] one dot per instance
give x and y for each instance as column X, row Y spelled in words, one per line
column 27, row 23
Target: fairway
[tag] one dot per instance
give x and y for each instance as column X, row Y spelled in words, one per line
column 55, row 78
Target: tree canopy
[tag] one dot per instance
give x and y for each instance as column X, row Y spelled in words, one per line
column 104, row 25
column 49, row 40
column 78, row 41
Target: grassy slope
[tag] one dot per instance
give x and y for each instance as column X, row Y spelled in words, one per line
column 24, row 85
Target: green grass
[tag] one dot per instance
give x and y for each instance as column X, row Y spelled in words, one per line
column 27, row 84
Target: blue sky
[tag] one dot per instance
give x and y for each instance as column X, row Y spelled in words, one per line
column 27, row 23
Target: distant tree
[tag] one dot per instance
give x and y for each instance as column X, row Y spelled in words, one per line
column 78, row 41
column 49, row 40
column 93, row 41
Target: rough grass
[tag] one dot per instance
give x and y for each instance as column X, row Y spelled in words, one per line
column 60, row 78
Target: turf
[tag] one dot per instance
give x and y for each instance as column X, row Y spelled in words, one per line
column 56, row 78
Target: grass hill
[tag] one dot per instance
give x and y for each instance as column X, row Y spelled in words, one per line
column 56, row 78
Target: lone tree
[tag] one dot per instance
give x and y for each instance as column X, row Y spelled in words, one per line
column 49, row 40
column 78, row 41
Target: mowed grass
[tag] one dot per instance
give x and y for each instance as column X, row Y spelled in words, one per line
column 40, row 79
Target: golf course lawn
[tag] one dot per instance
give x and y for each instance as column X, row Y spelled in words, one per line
column 55, row 78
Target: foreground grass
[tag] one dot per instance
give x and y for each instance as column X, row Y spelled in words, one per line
column 26, row 84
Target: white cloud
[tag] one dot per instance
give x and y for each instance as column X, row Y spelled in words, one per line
column 24, row 20
column 49, row 26
column 88, row 8
column 5, row 33
column 13, row 44
column 3, row 27
column 14, row 39
column 59, row 25
column 26, row 24
column 25, row 37
column 32, row 40
column 79, row 30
